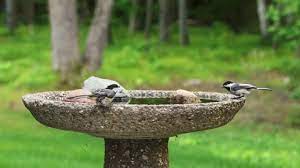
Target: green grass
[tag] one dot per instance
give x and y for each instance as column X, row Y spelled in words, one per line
column 237, row 146
column 26, row 143
column 215, row 54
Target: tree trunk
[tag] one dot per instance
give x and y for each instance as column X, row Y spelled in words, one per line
column 148, row 17
column 183, row 28
column 28, row 8
column 133, row 16
column 172, row 11
column 163, row 21
column 261, row 11
column 63, row 18
column 11, row 15
column 140, row 153
column 97, row 38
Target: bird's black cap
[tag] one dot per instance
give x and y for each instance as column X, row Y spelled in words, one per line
column 227, row 82
column 112, row 86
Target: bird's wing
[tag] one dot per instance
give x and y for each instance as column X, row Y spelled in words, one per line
column 235, row 87
column 110, row 93
column 247, row 86
column 102, row 92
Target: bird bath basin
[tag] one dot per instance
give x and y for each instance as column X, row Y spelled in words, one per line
column 136, row 135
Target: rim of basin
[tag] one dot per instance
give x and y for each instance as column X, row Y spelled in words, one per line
column 149, row 121
column 58, row 97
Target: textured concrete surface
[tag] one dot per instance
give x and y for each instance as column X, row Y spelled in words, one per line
column 146, row 153
column 132, row 121
column 132, row 153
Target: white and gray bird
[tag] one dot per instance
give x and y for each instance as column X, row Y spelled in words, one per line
column 105, row 91
column 241, row 89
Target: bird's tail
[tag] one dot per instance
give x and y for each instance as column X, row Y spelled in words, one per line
column 268, row 89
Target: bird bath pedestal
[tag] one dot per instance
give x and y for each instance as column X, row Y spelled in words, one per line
column 136, row 135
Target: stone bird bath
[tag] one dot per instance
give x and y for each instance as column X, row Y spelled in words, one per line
column 136, row 135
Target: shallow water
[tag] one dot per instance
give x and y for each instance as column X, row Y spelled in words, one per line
column 160, row 101
column 149, row 101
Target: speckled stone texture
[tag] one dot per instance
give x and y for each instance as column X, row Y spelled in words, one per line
column 143, row 153
column 132, row 121
column 129, row 153
column 136, row 135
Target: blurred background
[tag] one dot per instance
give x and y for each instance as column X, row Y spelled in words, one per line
column 154, row 44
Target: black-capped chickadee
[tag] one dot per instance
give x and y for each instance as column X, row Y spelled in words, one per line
column 241, row 89
column 104, row 97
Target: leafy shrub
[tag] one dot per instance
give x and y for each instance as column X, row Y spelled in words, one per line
column 296, row 95
column 285, row 21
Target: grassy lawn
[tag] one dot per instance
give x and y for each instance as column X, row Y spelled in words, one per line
column 215, row 54
column 26, row 143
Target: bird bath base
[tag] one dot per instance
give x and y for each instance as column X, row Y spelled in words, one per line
column 130, row 153
column 136, row 135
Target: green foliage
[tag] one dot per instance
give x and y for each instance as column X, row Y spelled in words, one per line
column 240, row 15
column 292, row 68
column 285, row 22
column 121, row 11
column 285, row 30
column 26, row 58
column 296, row 95
column 215, row 54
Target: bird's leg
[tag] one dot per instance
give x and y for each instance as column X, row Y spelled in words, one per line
column 104, row 101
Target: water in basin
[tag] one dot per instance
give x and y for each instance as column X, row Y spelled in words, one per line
column 160, row 101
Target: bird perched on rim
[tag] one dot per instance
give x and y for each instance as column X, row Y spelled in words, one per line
column 241, row 89
column 105, row 91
